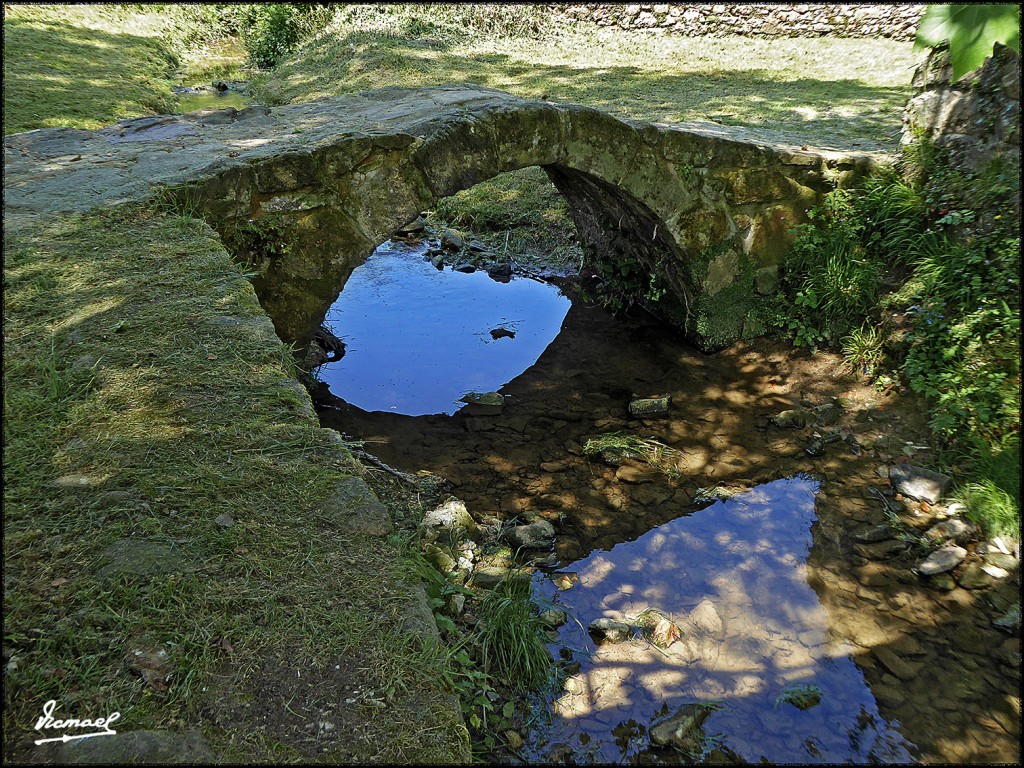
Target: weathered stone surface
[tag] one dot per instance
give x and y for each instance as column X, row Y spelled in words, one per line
column 340, row 176
column 705, row 617
column 536, row 535
column 792, row 418
column 975, row 577
column 648, row 407
column 942, row 560
column 682, row 729
column 359, row 510
column 918, row 483
column 489, row 576
column 449, row 524
column 605, row 630
column 953, row 529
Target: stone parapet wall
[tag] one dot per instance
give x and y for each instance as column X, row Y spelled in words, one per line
column 898, row 21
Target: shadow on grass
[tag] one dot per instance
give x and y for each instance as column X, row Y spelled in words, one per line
column 57, row 73
column 840, row 111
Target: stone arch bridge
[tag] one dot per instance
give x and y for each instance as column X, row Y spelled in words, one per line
column 307, row 191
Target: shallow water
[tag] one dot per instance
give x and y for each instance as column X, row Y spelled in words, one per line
column 193, row 102
column 418, row 338
column 743, row 562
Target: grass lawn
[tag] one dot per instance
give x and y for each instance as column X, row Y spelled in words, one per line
column 149, row 407
column 178, row 544
column 84, row 66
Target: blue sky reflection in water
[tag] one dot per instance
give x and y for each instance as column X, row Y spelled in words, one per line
column 746, row 557
column 419, row 338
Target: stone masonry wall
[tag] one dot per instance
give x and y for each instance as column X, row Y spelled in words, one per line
column 977, row 118
column 898, row 20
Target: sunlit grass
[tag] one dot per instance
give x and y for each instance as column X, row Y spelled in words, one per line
column 84, row 66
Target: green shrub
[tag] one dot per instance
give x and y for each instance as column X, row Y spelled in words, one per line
column 273, row 30
column 949, row 243
column 832, row 282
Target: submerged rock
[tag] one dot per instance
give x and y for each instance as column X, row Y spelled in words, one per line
column 536, row 535
column 683, row 729
column 606, row 630
column 483, row 403
column 918, row 483
column 643, row 408
column 658, row 628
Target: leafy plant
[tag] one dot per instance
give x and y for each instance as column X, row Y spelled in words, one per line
column 971, row 30
column 862, row 349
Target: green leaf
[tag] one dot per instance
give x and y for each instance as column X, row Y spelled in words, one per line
column 508, row 709
column 971, row 30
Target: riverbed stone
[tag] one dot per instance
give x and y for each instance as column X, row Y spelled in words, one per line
column 449, row 525
column 605, row 630
column 918, row 482
column 953, row 529
column 877, row 533
column 705, row 617
column 898, row 666
column 974, row 577
column 682, row 729
column 793, row 418
column 941, row 560
column 553, row 618
column 1009, row 621
column 1001, row 560
column 648, row 407
column 490, row 576
column 539, row 534
column 483, row 404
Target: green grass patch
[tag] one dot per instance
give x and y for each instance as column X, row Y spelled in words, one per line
column 148, row 405
column 617, row 446
column 84, row 66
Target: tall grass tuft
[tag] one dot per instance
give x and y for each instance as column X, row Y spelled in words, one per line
column 511, row 637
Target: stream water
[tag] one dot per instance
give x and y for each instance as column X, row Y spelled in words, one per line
column 906, row 670
column 418, row 338
column 740, row 565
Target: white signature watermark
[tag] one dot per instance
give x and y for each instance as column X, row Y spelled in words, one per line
column 47, row 721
